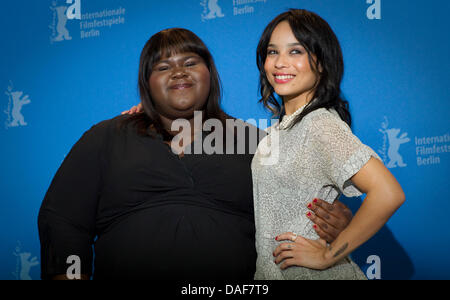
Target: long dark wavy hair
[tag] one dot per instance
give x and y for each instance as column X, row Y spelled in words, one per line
column 318, row 39
column 166, row 43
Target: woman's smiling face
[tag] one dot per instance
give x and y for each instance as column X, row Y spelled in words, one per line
column 179, row 85
column 287, row 66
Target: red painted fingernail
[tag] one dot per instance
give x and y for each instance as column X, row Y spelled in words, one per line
column 309, row 214
column 276, row 238
column 309, row 205
column 315, row 200
column 315, row 226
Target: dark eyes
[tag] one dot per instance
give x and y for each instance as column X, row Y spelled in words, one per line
column 296, row 51
column 293, row 51
column 165, row 67
column 190, row 63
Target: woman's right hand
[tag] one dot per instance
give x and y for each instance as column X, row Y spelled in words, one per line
column 134, row 110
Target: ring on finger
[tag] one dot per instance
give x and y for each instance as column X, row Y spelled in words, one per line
column 294, row 237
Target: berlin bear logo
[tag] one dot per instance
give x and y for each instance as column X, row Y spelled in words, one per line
column 212, row 11
column 58, row 26
column 14, row 110
column 24, row 263
column 391, row 137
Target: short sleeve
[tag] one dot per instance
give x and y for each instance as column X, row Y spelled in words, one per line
column 68, row 212
column 339, row 152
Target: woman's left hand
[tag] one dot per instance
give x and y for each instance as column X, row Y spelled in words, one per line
column 329, row 219
column 300, row 252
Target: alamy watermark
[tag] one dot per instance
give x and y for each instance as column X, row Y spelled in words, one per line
column 74, row 270
column 238, row 137
column 374, row 10
column 374, row 270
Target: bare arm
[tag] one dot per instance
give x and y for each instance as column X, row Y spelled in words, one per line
column 384, row 197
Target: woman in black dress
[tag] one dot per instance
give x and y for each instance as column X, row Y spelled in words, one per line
column 144, row 211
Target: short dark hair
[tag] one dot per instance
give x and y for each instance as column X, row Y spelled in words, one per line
column 317, row 37
column 166, row 43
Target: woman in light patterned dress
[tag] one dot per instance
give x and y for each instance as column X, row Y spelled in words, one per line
column 311, row 153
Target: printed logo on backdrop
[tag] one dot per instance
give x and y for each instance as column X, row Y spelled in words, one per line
column 61, row 14
column 24, row 263
column 13, row 111
column 429, row 150
column 70, row 19
column 212, row 9
column 393, row 138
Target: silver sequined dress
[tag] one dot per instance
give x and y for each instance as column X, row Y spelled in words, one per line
column 315, row 158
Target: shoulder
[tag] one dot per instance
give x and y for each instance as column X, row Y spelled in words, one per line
column 323, row 114
column 111, row 123
column 325, row 127
column 108, row 126
column 105, row 130
column 325, row 119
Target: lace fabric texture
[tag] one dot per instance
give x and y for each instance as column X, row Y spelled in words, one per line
column 315, row 158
